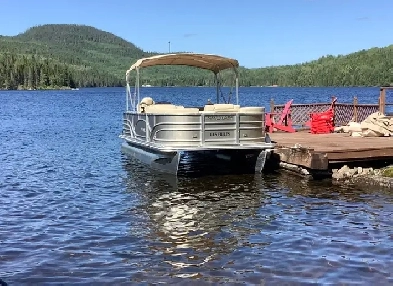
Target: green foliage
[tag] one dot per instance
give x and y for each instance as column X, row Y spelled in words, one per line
column 388, row 172
column 33, row 72
column 373, row 67
column 22, row 72
column 49, row 56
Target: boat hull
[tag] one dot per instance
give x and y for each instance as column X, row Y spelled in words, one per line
column 199, row 162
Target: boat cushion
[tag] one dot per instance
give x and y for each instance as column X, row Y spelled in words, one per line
column 169, row 108
column 222, row 107
column 209, row 107
column 147, row 101
column 159, row 107
column 251, row 109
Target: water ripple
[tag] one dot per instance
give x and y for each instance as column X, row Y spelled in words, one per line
column 75, row 210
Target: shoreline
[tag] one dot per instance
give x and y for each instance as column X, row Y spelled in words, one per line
column 364, row 176
column 179, row 86
column 39, row 89
column 356, row 176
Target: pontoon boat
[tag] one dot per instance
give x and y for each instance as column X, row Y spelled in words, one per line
column 215, row 138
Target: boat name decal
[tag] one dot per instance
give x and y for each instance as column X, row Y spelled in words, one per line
column 220, row 134
column 219, row 118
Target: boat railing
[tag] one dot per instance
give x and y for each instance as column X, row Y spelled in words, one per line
column 196, row 129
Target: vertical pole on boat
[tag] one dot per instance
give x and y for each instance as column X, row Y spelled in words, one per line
column 137, row 84
column 128, row 91
column 127, row 94
column 217, row 88
column 237, row 86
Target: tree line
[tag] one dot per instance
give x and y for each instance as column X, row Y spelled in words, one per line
column 53, row 56
column 34, row 72
column 373, row 67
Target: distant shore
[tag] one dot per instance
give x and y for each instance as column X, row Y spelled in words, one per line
column 21, row 88
column 181, row 86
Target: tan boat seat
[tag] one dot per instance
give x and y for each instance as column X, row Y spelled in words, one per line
column 159, row 108
column 209, row 108
column 222, row 107
column 251, row 109
column 186, row 110
column 162, row 106
column 235, row 108
column 146, row 101
column 169, row 108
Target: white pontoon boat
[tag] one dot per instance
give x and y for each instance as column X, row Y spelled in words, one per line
column 214, row 139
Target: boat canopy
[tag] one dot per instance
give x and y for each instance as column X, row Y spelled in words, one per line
column 210, row 62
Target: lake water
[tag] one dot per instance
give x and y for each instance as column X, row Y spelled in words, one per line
column 74, row 210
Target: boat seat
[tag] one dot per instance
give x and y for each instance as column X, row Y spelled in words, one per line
column 222, row 107
column 159, row 108
column 175, row 111
column 163, row 106
column 146, row 101
column 251, row 109
column 186, row 110
column 208, row 108
column 169, row 108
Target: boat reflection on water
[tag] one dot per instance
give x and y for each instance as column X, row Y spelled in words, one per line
column 193, row 220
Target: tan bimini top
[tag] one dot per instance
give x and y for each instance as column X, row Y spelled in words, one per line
column 213, row 63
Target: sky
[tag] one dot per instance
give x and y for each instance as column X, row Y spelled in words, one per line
column 258, row 33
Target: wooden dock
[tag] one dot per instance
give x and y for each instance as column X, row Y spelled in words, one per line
column 321, row 151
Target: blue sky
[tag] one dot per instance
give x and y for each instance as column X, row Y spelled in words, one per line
column 257, row 33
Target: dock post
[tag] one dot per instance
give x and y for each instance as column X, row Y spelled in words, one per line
column 271, row 105
column 355, row 109
column 382, row 99
column 272, row 110
column 333, row 104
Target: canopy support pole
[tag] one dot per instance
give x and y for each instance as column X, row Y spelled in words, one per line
column 137, row 85
column 237, row 86
column 127, row 94
column 217, row 88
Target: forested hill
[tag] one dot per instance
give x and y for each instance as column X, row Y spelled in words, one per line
column 88, row 56
column 372, row 67
column 52, row 56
